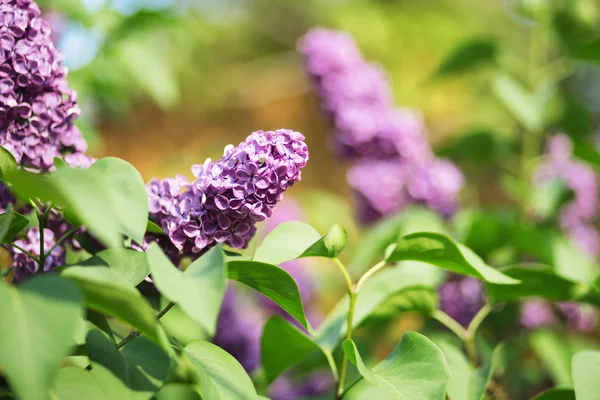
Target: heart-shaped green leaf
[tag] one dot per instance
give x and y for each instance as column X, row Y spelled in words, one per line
column 141, row 365
column 131, row 265
column 11, row 224
column 221, row 376
column 105, row 291
column 129, row 193
column 273, row 282
column 556, row 394
column 416, row 368
column 586, row 370
column 286, row 242
column 98, row 384
column 469, row 55
column 37, row 324
column 439, row 250
column 199, row 290
column 7, row 161
column 279, row 337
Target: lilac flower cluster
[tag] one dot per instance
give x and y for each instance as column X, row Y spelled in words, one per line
column 37, row 108
column 231, row 195
column 37, row 112
column 577, row 216
column 537, row 313
column 461, row 297
column 394, row 165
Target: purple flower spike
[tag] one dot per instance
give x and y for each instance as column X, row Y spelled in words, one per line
column 37, row 108
column 231, row 195
column 461, row 298
column 577, row 216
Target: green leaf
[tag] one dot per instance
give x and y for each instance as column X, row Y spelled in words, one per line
column 141, row 365
column 273, row 282
column 520, row 102
column 7, row 162
column 554, row 355
column 330, row 245
column 84, row 195
column 477, row 148
column 11, row 224
column 460, row 371
column 151, row 227
column 286, row 242
column 104, row 291
column 178, row 391
column 407, row 290
column 556, row 394
column 60, row 163
column 468, row 56
column 439, row 250
column 415, row 369
column 579, row 39
column 37, row 323
column 279, row 337
column 535, row 280
column 131, row 265
column 199, row 290
column 586, row 370
column 98, row 384
column 374, row 241
column 221, row 376
column 129, row 194
column 483, row 377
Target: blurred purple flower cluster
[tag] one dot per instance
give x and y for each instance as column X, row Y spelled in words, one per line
column 231, row 195
column 578, row 215
column 241, row 320
column 37, row 113
column 37, row 107
column 394, row 165
column 537, row 313
column 461, row 297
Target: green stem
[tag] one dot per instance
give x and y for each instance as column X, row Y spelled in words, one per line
column 42, row 221
column 62, row 239
column 135, row 334
column 340, row 389
column 344, row 272
column 30, row 255
column 363, row 279
column 472, row 332
column 450, row 323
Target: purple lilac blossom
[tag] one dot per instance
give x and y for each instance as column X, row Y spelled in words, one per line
column 577, row 216
column 287, row 387
column 579, row 317
column 536, row 313
column 394, row 165
column 461, row 297
column 239, row 329
column 230, row 195
column 37, row 107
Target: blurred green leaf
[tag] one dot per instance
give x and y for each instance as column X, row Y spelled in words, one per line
column 439, row 250
column 140, row 365
column 131, row 265
column 483, row 377
column 575, row 119
column 273, row 282
column 286, row 242
column 202, row 283
column 105, row 291
column 37, row 323
column 178, row 391
column 330, row 245
column 460, row 371
column 151, row 227
column 469, row 55
column 547, row 199
column 586, row 370
column 129, row 194
column 416, row 368
column 7, row 162
column 484, row 231
column 221, row 376
column 407, row 290
column 98, row 384
column 535, row 280
column 280, row 337
column 579, row 39
column 555, row 355
column 11, row 224
column 84, row 195
column 519, row 101
column 556, row 394
column 476, row 148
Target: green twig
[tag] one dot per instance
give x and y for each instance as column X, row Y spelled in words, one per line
column 135, row 334
column 62, row 239
column 27, row 253
column 340, row 389
column 363, row 279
